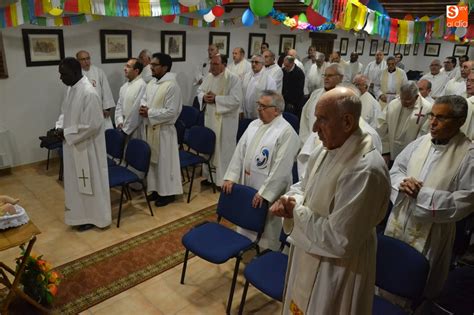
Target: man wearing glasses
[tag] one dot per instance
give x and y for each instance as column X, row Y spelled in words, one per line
column 253, row 84
column 432, row 188
column 263, row 160
column 404, row 120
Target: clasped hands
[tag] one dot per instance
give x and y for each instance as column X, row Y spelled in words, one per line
column 209, row 98
column 143, row 111
column 410, row 186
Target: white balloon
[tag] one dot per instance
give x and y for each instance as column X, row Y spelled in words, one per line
column 461, row 31
column 189, row 3
column 209, row 17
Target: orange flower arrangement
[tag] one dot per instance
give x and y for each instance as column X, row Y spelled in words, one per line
column 38, row 280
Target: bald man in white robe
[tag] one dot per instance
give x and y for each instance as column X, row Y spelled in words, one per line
column 438, row 79
column 239, row 65
column 468, row 127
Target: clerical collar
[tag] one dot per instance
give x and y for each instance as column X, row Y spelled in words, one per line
column 440, row 142
column 392, row 70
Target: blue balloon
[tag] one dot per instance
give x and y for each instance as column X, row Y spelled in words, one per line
column 203, row 11
column 247, row 18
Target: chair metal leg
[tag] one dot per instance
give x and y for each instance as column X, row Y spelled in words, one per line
column 191, row 184
column 185, row 263
column 120, row 206
column 232, row 287
column 47, row 161
column 210, row 175
column 147, row 201
column 244, row 296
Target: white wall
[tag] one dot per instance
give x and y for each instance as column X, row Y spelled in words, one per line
column 30, row 97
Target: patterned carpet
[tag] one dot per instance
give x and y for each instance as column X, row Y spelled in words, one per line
column 94, row 278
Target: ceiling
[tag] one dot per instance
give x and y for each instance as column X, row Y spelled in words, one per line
column 395, row 8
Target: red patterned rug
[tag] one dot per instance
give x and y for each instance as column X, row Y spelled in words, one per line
column 94, row 278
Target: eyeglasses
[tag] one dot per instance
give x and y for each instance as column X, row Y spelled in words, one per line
column 441, row 118
column 84, row 59
column 330, row 75
column 261, row 106
column 255, row 61
column 155, row 64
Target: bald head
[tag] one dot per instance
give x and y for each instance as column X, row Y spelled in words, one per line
column 292, row 53
column 435, row 66
column 84, row 59
column 466, row 69
column 424, row 86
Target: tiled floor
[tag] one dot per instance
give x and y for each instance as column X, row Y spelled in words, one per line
column 206, row 287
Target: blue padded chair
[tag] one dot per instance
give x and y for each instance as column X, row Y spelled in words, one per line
column 50, row 143
column 137, row 156
column 217, row 243
column 202, row 141
column 293, row 120
column 267, row 273
column 401, row 270
column 189, row 116
column 180, row 130
column 243, row 124
column 114, row 146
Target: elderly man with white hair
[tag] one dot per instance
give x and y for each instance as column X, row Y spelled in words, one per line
column 438, row 79
column 145, row 59
column 253, row 84
column 314, row 77
column 373, row 71
column 239, row 65
column 404, row 120
column 371, row 110
column 457, row 85
column 468, row 127
column 424, row 86
column 274, row 70
column 294, row 54
column 263, row 159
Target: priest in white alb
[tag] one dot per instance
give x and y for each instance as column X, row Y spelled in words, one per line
column 391, row 80
column 99, row 81
column 457, row 85
column 438, row 79
column 433, row 188
column 332, row 213
column 127, row 117
column 160, row 107
column 404, row 120
column 220, row 96
column 239, row 65
column 468, row 127
column 371, row 110
column 373, row 71
column 86, row 179
column 145, row 58
column 263, row 159
column 275, row 71
column 315, row 76
column 254, row 82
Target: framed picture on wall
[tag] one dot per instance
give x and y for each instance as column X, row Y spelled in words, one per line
column 173, row 43
column 415, row 49
column 115, row 45
column 460, row 50
column 432, row 50
column 255, row 42
column 343, row 46
column 406, row 50
column 373, row 47
column 287, row 42
column 397, row 48
column 386, row 48
column 221, row 40
column 43, row 47
column 359, row 49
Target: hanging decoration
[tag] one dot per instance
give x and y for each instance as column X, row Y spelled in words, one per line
column 261, row 7
column 247, row 18
column 218, row 11
column 209, row 17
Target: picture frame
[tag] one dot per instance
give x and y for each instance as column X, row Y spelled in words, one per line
column 406, row 50
column 173, row 43
column 374, row 44
column 286, row 41
column 43, row 47
column 344, row 43
column 115, row 46
column 359, row 48
column 397, row 48
column 221, row 40
column 415, row 49
column 386, row 47
column 460, row 50
column 432, row 49
column 255, row 42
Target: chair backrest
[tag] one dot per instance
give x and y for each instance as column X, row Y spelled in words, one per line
column 401, row 269
column 180, row 130
column 114, row 143
column 202, row 140
column 236, row 207
column 138, row 155
column 243, row 124
column 189, row 115
column 293, row 120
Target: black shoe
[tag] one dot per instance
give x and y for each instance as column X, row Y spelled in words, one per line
column 153, row 196
column 205, row 182
column 85, row 227
column 164, row 200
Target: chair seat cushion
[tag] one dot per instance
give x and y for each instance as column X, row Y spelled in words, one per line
column 188, row 159
column 267, row 273
column 119, row 175
column 111, row 162
column 215, row 242
column 384, row 307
